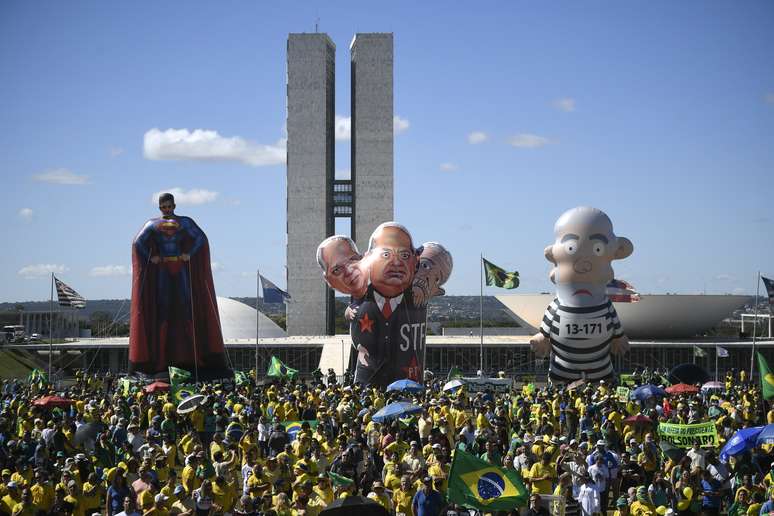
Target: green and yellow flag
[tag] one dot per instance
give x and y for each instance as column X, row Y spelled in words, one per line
column 340, row 480
column 767, row 379
column 475, row 483
column 294, row 427
column 279, row 370
column 178, row 376
column 241, row 378
column 498, row 277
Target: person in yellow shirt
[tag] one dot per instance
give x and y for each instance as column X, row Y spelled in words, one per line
column 12, row 497
column 403, row 497
column 379, row 496
column 42, row 492
column 323, row 489
column 542, row 475
column 190, row 482
column 25, row 507
column 224, row 494
column 92, row 495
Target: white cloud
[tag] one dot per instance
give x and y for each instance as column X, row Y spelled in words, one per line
column 40, row 270
column 565, row 104
column 26, row 213
column 216, row 266
column 769, row 98
column 207, row 145
column 399, row 125
column 192, row 196
column 61, row 176
column 115, row 151
column 110, row 270
column 528, row 141
column 477, row 137
column 448, row 167
column 342, row 128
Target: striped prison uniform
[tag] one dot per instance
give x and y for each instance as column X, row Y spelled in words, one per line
column 580, row 340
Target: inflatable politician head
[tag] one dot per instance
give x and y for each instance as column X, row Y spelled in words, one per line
column 342, row 265
column 583, row 250
column 435, row 267
column 392, row 259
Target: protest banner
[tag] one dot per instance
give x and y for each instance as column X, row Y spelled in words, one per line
column 622, row 393
column 683, row 436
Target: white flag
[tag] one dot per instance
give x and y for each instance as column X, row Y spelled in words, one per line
column 722, row 352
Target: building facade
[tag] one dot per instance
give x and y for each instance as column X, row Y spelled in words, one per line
column 315, row 197
column 310, row 173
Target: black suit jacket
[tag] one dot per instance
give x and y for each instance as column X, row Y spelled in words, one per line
column 395, row 345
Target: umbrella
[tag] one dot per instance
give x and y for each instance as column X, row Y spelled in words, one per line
column 646, row 391
column 157, row 386
column 87, row 434
column 576, row 384
column 671, row 451
column 713, row 386
column 354, row 506
column 191, row 403
column 405, row 385
column 396, row 410
column 639, row 419
column 688, row 373
column 740, row 442
column 682, row 388
column 53, row 401
column 766, row 436
column 453, row 384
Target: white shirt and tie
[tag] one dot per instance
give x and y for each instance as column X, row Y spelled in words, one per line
column 387, row 308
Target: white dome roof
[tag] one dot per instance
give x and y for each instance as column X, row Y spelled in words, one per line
column 237, row 321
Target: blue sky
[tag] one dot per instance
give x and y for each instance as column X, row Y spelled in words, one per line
column 659, row 113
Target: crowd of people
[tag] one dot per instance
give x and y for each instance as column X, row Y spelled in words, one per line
column 292, row 448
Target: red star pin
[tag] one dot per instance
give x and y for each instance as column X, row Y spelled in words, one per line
column 366, row 324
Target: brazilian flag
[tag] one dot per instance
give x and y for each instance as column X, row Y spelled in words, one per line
column 240, row 378
column 498, row 277
column 767, row 379
column 177, row 375
column 454, row 372
column 475, row 483
column 340, row 480
column 294, row 427
column 279, row 370
column 181, row 392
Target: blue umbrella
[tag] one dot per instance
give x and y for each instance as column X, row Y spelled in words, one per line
column 766, row 436
column 740, row 442
column 646, row 391
column 396, row 410
column 405, row 385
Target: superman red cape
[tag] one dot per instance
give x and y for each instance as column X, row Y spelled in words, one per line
column 149, row 351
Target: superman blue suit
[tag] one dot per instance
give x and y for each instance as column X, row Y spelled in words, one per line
column 174, row 312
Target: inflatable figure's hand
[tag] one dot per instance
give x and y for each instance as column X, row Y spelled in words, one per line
column 541, row 345
column 362, row 355
column 350, row 313
column 620, row 345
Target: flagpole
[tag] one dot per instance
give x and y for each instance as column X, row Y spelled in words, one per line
column 257, row 319
column 716, row 361
column 755, row 323
column 481, row 313
column 50, row 329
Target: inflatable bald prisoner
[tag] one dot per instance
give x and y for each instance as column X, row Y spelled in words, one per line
column 580, row 327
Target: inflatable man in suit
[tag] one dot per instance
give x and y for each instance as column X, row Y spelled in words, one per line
column 389, row 327
column 580, row 327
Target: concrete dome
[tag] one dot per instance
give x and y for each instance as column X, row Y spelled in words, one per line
column 237, row 321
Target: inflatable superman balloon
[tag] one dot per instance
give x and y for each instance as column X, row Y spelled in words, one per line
column 174, row 312
column 580, row 327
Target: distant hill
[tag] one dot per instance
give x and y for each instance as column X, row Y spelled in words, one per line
column 441, row 309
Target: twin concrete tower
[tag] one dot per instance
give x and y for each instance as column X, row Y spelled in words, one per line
column 315, row 197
